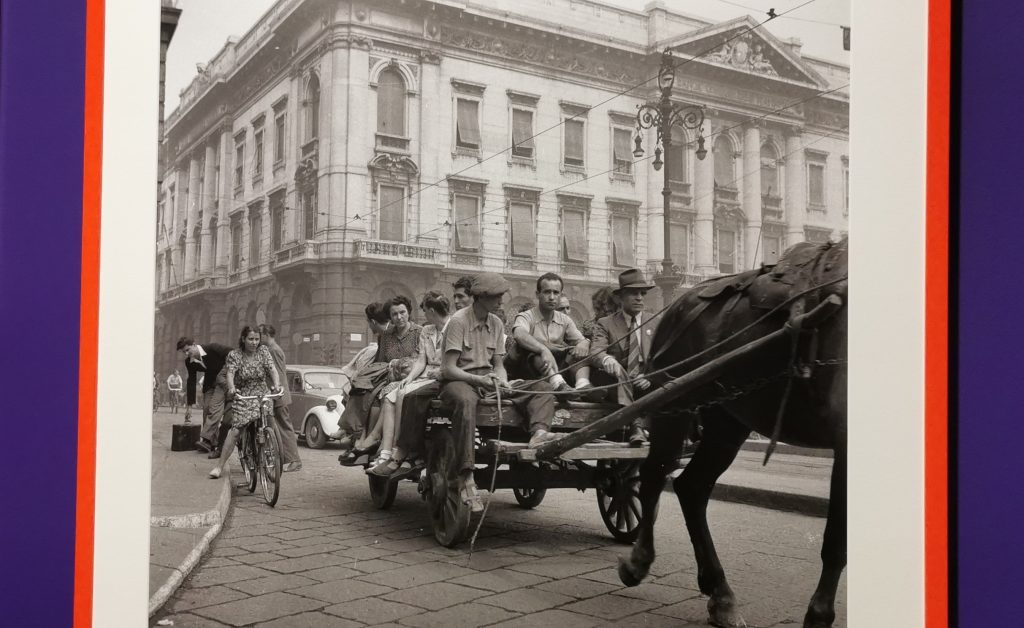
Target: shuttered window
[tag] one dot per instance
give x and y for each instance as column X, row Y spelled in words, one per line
column 255, row 237
column 680, row 243
column 622, row 241
column 391, row 103
column 391, row 213
column 622, row 157
column 524, row 236
column 574, row 235
column 816, row 184
column 675, row 161
column 574, row 143
column 467, row 222
column 467, row 131
column 522, row 133
column 236, row 244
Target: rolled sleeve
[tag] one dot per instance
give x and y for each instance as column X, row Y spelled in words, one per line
column 455, row 336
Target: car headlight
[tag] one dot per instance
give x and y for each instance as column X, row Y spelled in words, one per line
column 332, row 405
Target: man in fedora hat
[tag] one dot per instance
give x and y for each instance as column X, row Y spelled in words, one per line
column 474, row 347
column 622, row 342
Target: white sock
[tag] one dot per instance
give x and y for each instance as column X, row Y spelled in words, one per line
column 582, row 382
column 557, row 380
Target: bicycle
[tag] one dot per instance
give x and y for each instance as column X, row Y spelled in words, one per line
column 259, row 452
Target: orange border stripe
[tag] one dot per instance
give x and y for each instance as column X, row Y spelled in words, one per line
column 936, row 478
column 88, row 333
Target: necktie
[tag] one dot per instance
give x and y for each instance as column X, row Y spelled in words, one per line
column 633, row 357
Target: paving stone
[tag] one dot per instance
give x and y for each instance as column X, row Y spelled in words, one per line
column 304, row 563
column 408, row 545
column 187, row 599
column 464, row 616
column 610, row 606
column 258, row 557
column 373, row 611
column 414, row 558
column 292, row 535
column 272, row 546
column 253, row 530
column 579, row 588
column 363, row 553
column 321, row 539
column 344, row 591
column 321, row 548
column 219, row 561
column 499, row 580
column 327, row 574
column 373, row 566
column 435, row 596
column 241, row 541
column 193, row 621
column 269, row 584
column 558, row 567
column 608, row 576
column 224, row 575
column 259, row 608
column 414, row 575
column 557, row 617
column 302, row 524
column 654, row 593
column 309, row 620
column 526, row 600
column 650, row 620
column 693, row 610
column 227, row 551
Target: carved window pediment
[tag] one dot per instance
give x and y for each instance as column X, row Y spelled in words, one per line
column 468, row 88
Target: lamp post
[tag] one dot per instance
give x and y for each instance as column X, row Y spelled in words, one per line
column 662, row 116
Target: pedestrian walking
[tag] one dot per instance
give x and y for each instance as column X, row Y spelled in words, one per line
column 282, row 418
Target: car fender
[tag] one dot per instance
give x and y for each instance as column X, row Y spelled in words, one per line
column 328, row 419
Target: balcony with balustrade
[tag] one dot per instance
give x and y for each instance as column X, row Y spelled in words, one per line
column 398, row 253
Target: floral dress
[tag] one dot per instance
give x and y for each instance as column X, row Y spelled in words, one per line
column 252, row 370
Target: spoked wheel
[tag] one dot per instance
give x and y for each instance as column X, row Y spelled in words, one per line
column 618, row 498
column 315, row 437
column 270, row 467
column 382, row 491
column 529, row 497
column 247, row 459
column 448, row 515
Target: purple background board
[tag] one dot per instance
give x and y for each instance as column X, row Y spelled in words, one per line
column 42, row 48
column 990, row 502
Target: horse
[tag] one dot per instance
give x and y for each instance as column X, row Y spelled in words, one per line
column 793, row 390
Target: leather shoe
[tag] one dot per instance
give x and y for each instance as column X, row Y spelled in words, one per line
column 213, row 454
column 202, row 445
column 637, row 437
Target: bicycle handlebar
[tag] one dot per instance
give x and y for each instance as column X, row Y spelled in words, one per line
column 269, row 396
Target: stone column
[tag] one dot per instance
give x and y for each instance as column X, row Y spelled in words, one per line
column 655, row 214
column 361, row 141
column 225, row 192
column 430, row 110
column 752, row 245
column 704, row 203
column 209, row 208
column 796, row 187
column 193, row 216
column 246, row 247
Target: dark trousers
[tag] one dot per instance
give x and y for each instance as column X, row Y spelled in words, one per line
column 286, row 434
column 532, row 366
column 213, row 412
column 463, row 399
column 413, row 422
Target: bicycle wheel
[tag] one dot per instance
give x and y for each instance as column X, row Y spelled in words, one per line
column 270, row 466
column 247, row 458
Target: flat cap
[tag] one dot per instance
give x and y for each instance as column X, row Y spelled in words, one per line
column 489, row 284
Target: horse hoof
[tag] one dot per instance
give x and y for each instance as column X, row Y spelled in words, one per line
column 724, row 615
column 627, row 575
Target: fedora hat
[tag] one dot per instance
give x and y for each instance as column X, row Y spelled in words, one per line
column 632, row 278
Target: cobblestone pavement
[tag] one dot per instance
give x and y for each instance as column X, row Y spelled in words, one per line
column 325, row 557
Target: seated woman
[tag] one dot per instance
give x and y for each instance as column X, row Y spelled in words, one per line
column 402, row 444
column 358, row 369
column 400, row 340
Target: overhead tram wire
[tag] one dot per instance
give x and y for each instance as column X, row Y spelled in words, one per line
column 646, row 158
column 788, row 17
column 479, row 163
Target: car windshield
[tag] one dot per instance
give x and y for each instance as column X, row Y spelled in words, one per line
column 323, row 381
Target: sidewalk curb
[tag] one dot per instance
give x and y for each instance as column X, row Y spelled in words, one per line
column 809, row 505
column 214, row 518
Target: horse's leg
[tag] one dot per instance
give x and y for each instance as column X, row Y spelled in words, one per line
column 667, row 433
column 721, row 441
column 821, row 611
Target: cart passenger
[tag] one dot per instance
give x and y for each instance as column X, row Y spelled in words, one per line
column 461, row 290
column 474, row 347
column 359, row 372
column 622, row 342
column 547, row 341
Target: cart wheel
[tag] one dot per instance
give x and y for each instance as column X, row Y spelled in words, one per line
column 382, row 492
column 448, row 515
column 618, row 498
column 529, row 497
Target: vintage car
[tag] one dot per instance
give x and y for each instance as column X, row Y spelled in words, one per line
column 317, row 401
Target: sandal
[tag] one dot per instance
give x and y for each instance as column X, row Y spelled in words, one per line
column 471, row 497
column 378, row 466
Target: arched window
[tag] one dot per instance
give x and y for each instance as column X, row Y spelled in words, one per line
column 770, row 171
column 724, row 174
column 391, row 103
column 312, row 109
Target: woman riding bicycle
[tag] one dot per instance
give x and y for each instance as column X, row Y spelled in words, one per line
column 248, row 369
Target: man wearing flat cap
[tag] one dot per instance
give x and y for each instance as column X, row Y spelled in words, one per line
column 474, row 348
column 622, row 342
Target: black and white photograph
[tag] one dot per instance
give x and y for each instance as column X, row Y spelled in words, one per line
column 501, row 313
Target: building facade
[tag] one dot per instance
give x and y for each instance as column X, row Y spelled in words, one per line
column 343, row 152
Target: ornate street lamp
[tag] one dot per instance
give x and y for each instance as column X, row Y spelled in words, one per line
column 662, row 116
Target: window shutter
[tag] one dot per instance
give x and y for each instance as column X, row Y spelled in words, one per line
column 524, row 239
column 391, row 213
column 574, row 142
column 467, row 222
column 676, row 159
column 522, row 129
column 816, row 182
column 723, row 163
column 468, row 124
column 391, row 103
column 622, row 242
column 622, row 145
column 680, row 245
column 574, row 236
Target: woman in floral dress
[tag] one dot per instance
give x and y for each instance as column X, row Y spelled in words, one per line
column 248, row 369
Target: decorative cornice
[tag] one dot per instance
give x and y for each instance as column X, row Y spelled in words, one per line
column 394, row 163
column 625, row 119
column 522, row 193
column 522, row 98
column 577, row 110
column 431, row 57
column 468, row 88
column 474, row 187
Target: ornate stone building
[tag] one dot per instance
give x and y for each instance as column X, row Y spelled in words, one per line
column 344, row 151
